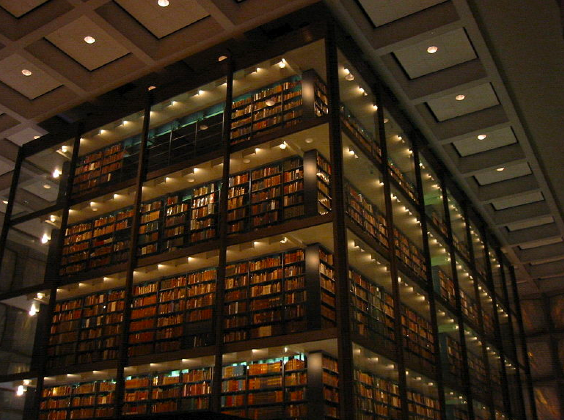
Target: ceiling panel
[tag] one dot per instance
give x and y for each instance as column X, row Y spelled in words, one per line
column 541, row 242
column 24, row 136
column 541, row 358
column 475, row 99
column 452, row 48
column 503, row 173
column 530, row 223
column 505, row 203
column 386, row 11
column 45, row 189
column 19, row 8
column 5, row 167
column 163, row 21
column 37, row 84
column 472, row 145
column 70, row 39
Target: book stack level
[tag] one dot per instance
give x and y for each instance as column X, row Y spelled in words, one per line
column 78, row 401
column 366, row 215
column 406, row 186
column 355, row 130
column 453, row 357
column 410, row 254
column 446, row 286
column 98, row 168
column 418, row 337
column 86, row 330
column 150, row 229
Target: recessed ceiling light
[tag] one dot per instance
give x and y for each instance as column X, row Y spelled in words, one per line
column 500, row 169
column 460, row 97
column 47, row 186
column 36, row 137
column 5, row 201
column 282, row 63
column 375, row 107
column 247, row 160
column 151, row 87
column 89, row 39
column 26, row 72
column 386, row 121
column 432, row 49
column 222, row 57
column 163, row 3
column 309, row 140
column 482, row 137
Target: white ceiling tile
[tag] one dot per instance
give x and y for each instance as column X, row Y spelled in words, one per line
column 386, row 11
column 24, row 136
column 494, row 139
column 19, row 8
column 513, row 171
column 475, row 99
column 163, row 21
column 504, row 203
column 44, row 188
column 32, row 86
column 453, row 48
column 530, row 223
column 70, row 39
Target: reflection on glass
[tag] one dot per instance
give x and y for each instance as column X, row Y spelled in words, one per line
column 42, row 180
column 458, row 225
column 433, row 198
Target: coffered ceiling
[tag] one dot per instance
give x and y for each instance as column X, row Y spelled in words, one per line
column 501, row 142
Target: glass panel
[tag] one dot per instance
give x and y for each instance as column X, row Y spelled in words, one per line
column 433, row 197
column 42, row 179
column 458, row 225
column 476, row 364
column 540, row 358
column 547, row 402
column 400, row 158
column 533, row 316
column 18, row 321
column 479, row 249
column 456, row 404
column 30, row 249
column 15, row 400
column 487, row 310
column 557, row 311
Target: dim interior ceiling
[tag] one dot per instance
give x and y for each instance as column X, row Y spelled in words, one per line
column 507, row 60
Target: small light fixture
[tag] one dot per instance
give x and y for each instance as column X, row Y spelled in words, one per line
column 246, row 160
column 482, row 137
column 270, row 102
column 33, row 310
column 203, row 127
column 284, row 240
column 45, row 238
column 361, row 89
column 20, row 391
column 460, row 97
column 283, row 145
column 64, row 149
column 222, row 57
column 151, row 87
column 5, row 201
column 386, row 121
column 26, row 72
column 47, row 186
column 500, row 169
column 36, row 137
column 375, row 107
column 89, row 39
column 163, row 3
column 432, row 49
column 309, row 140
column 282, row 63
column 200, row 92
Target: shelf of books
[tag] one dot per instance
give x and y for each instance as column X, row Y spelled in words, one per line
column 489, row 326
column 444, row 285
column 204, row 212
column 277, row 388
column 418, row 337
column 410, row 254
column 406, row 186
column 175, row 221
column 366, row 215
column 276, row 106
column 359, row 134
column 86, row 329
column 469, row 308
column 86, row 400
column 265, row 296
column 378, row 398
column 461, row 247
column 178, row 390
column 323, row 184
column 96, row 243
column 478, row 376
column 172, row 313
column 452, row 355
column 327, row 284
column 150, row 227
column 373, row 310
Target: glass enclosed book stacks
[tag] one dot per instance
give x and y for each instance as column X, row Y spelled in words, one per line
column 269, row 244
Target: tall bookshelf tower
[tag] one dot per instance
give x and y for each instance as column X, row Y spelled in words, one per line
column 267, row 239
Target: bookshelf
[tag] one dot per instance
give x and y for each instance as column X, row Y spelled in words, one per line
column 238, row 203
column 150, row 227
column 265, row 296
column 327, row 283
column 85, row 400
column 359, row 134
column 406, row 186
column 96, row 243
column 410, row 254
column 366, row 215
column 175, row 221
column 469, row 307
column 323, row 184
column 418, row 336
column 203, row 212
column 453, row 352
column 86, row 329
column 373, row 308
column 444, row 285
column 478, row 376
